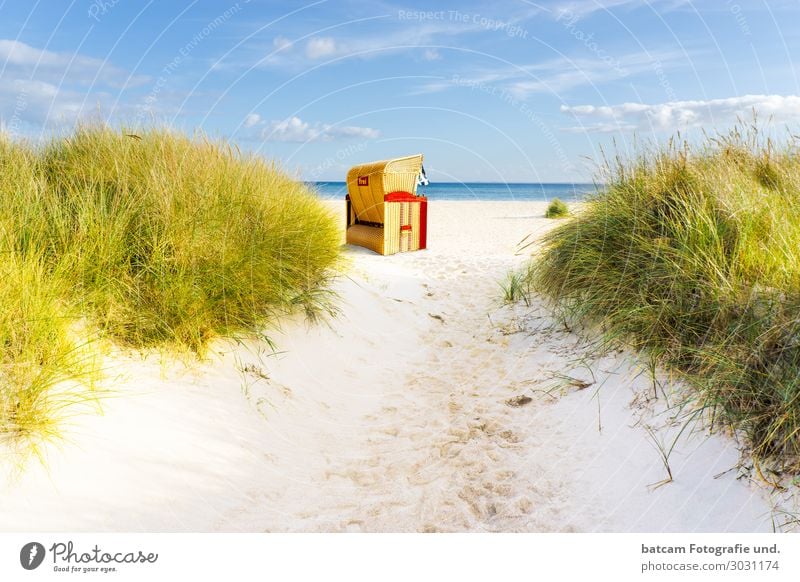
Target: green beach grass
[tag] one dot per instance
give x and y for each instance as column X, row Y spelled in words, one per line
column 692, row 255
column 151, row 240
column 556, row 209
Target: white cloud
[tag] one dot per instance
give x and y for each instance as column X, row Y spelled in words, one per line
column 252, row 119
column 431, row 55
column 45, row 65
column 45, row 89
column 320, row 47
column 678, row 115
column 26, row 105
column 347, row 131
column 15, row 52
column 281, row 43
column 291, row 129
column 294, row 129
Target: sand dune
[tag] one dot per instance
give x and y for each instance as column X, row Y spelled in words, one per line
column 409, row 412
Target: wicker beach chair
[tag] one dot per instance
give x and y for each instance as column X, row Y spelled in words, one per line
column 384, row 213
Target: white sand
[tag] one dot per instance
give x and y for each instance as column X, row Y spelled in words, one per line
column 392, row 418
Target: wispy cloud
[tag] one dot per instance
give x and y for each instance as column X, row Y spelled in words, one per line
column 583, row 8
column 281, row 43
column 316, row 48
column 556, row 75
column 431, row 55
column 251, row 120
column 562, row 74
column 44, row 65
column 294, row 129
column 321, row 47
column 678, row 115
column 26, row 101
column 390, row 33
column 40, row 88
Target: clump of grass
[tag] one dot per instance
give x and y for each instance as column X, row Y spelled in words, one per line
column 154, row 239
column 39, row 348
column 515, row 288
column 693, row 254
column 178, row 240
column 556, row 209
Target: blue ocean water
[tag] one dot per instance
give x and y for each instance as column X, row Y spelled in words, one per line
column 478, row 191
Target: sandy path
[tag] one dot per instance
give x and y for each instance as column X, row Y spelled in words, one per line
column 395, row 417
column 430, row 442
column 423, row 440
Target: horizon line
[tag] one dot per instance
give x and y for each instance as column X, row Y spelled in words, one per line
column 476, row 182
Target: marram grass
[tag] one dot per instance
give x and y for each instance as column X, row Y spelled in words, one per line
column 556, row 209
column 44, row 365
column 154, row 240
column 693, row 255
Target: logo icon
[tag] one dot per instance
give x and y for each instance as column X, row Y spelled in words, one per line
column 31, row 555
column 363, row 180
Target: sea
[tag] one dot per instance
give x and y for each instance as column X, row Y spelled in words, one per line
column 479, row 191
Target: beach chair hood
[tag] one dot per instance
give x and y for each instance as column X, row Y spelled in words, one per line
column 368, row 184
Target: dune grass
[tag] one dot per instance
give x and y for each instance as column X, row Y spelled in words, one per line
column 693, row 255
column 515, row 288
column 556, row 209
column 40, row 349
column 153, row 240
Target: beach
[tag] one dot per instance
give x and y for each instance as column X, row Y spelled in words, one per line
column 426, row 405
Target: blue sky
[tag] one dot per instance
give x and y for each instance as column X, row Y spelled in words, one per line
column 510, row 90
